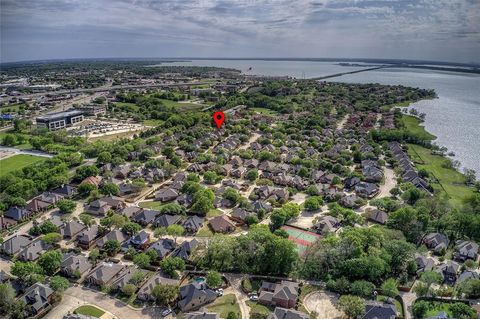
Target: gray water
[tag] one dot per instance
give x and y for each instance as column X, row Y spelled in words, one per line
column 454, row 117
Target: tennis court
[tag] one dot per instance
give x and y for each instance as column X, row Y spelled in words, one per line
column 301, row 238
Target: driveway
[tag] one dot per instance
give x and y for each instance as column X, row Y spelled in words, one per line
column 74, row 297
column 323, row 304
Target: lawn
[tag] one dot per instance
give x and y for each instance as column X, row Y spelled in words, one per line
column 258, row 310
column 89, row 310
column 152, row 122
column 205, row 231
column 414, row 125
column 18, row 162
column 224, row 305
column 263, row 111
column 453, row 182
column 214, row 213
column 152, row 205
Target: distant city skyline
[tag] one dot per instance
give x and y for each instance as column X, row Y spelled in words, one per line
column 437, row 30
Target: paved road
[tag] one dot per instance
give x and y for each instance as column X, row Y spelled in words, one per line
column 77, row 296
column 18, row 151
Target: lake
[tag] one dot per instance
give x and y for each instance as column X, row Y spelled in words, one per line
column 454, row 117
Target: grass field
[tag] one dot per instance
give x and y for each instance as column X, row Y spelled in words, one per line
column 224, row 305
column 258, row 310
column 453, row 182
column 152, row 205
column 414, row 125
column 263, row 111
column 89, row 310
column 18, row 162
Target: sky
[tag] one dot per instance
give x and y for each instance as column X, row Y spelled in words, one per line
column 441, row 30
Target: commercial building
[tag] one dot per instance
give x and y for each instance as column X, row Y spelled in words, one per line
column 59, row 120
column 93, row 110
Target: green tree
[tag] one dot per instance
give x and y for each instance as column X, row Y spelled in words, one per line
column 214, row 279
column 112, row 247
column 210, row 177
column 110, row 189
column 137, row 278
column 232, row 195
column 362, row 288
column 7, row 298
column 352, row 306
column 313, row 203
column 232, row 315
column 59, row 284
column 87, row 220
column 84, row 190
column 142, row 260
column 175, row 231
column 251, row 175
column 131, row 228
column 50, row 261
column 52, row 238
column 420, row 309
column 389, row 288
column 104, row 157
column 462, row 311
column 129, row 289
column 430, row 278
column 170, row 266
column 94, row 255
column 165, row 295
column 66, row 206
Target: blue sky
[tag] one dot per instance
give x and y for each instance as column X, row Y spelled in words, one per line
column 447, row 30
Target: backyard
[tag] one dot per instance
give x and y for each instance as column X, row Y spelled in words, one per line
column 225, row 305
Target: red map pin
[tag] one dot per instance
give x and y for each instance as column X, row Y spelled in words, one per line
column 219, row 118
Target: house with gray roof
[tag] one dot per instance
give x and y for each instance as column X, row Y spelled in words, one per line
column 145, row 217
column 449, row 271
column 327, row 224
column 14, row 244
column 195, row 295
column 124, row 277
column 166, row 220
column 465, row 249
column 140, row 240
column 37, row 299
column 193, row 224
column 33, row 251
column 436, row 242
column 75, row 264
column 376, row 310
column 283, row 294
column 166, row 194
column 72, row 229
column 423, row 263
column 18, row 213
column 115, row 234
column 86, row 238
column 378, row 216
column 185, row 249
column 145, row 292
column 202, row 315
column 284, row 313
column 162, row 247
column 104, row 273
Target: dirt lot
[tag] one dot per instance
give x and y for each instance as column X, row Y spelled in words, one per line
column 323, row 304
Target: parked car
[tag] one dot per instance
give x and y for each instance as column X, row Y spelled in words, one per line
column 219, row 292
column 166, row 312
column 254, row 298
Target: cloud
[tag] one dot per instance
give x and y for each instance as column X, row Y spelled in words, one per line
column 41, row 29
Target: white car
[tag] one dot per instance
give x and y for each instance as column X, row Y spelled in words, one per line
column 219, row 292
column 166, row 312
column 254, row 298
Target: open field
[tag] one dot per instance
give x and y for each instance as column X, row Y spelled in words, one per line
column 415, row 126
column 453, row 182
column 151, row 205
column 89, row 310
column 263, row 111
column 224, row 305
column 18, row 162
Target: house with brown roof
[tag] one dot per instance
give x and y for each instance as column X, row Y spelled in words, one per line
column 92, row 180
column 145, row 292
column 104, row 273
column 221, row 224
column 86, row 238
column 72, row 229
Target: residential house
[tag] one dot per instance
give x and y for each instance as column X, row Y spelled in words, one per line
column 372, row 174
column 50, row 198
column 466, row 250
column 239, row 215
column 104, row 273
column 86, row 238
column 467, row 275
column 163, row 247
column 261, row 206
column 130, row 211
column 221, row 224
column 6, row 223
column 350, row 183
column 115, row 234
column 92, row 180
column 195, row 295
column 141, row 240
column 377, row 216
column 284, row 313
column 327, row 224
column 101, row 206
column 193, row 224
column 14, row 244
column 366, row 190
column 124, row 277
column 37, row 299
column 72, row 229
column 436, row 241
column 33, row 251
column 18, row 213
column 185, row 249
column 65, row 191
column 423, row 263
column 145, row 292
column 166, row 220
column 166, row 194
column 146, row 216
column 74, row 265
column 283, row 294
column 449, row 271
column 376, row 310
column 37, row 206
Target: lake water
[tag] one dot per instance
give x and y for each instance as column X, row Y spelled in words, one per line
column 454, row 117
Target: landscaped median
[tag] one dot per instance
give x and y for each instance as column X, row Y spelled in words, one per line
column 89, row 310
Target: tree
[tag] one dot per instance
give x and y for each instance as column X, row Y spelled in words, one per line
column 313, row 203
column 129, row 289
column 171, row 265
column 112, row 247
column 420, row 309
column 110, row 189
column 175, row 231
column 210, row 177
column 85, row 171
column 142, row 260
column 94, row 255
column 84, row 190
column 462, row 311
column 7, row 298
column 429, row 278
column 362, row 288
column 115, row 221
column 214, row 279
column 66, row 206
column 470, row 176
column 104, row 157
column 352, row 306
column 50, row 261
column 251, row 175
column 231, row 194
column 87, row 220
column 389, row 288
column 232, row 315
column 137, row 278
column 165, row 294
column 131, row 228
column 52, row 238
column 59, row 284
column 203, row 201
